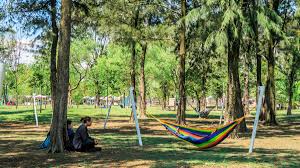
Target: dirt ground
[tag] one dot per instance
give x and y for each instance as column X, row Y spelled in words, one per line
column 276, row 146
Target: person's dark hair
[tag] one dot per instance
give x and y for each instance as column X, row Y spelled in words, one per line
column 85, row 119
column 69, row 122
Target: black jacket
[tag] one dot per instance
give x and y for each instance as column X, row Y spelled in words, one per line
column 82, row 138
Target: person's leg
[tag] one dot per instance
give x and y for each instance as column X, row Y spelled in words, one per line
column 86, row 147
column 92, row 148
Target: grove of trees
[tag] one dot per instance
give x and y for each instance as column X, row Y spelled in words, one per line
column 163, row 48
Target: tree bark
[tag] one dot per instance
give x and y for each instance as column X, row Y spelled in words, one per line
column 270, row 98
column 70, row 96
column 124, row 100
column 97, row 100
column 165, row 92
column 291, row 77
column 53, row 77
column 5, row 92
column 41, row 100
column 133, row 62
column 46, row 102
column 180, row 118
column 290, row 94
column 270, row 88
column 58, row 131
column 235, row 107
column 17, row 93
column 203, row 91
column 132, row 75
column 143, row 83
column 254, row 24
column 246, row 85
column 198, row 102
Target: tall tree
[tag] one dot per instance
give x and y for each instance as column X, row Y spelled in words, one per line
column 246, row 73
column 289, row 66
column 142, row 81
column 289, row 59
column 234, row 32
column 180, row 118
column 54, row 35
column 58, row 132
column 272, row 41
column 254, row 8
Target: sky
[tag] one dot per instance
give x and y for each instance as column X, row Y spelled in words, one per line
column 25, row 41
column 27, row 57
column 27, row 45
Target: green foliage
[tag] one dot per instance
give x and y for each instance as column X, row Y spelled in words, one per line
column 103, row 33
column 160, row 69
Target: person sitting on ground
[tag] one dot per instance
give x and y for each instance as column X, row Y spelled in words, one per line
column 82, row 142
column 71, row 134
column 70, row 130
column 69, row 146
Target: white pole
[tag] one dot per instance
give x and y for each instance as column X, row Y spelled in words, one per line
column 1, row 77
column 108, row 112
column 258, row 109
column 35, row 113
column 133, row 106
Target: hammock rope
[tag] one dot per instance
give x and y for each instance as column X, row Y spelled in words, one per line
column 204, row 113
column 202, row 138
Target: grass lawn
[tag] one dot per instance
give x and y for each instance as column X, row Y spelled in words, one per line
column 276, row 146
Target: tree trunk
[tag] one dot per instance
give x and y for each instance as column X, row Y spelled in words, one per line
column 270, row 88
column 143, row 83
column 5, row 92
column 165, row 92
column 58, row 131
column 17, row 94
column 53, row 77
column 203, row 102
column 290, row 97
column 180, row 118
column 254, row 25
column 46, row 101
column 246, row 85
column 235, row 107
column 124, row 100
column 17, row 85
column 217, row 103
column 133, row 61
column 203, row 92
column 132, row 75
column 41, row 99
column 258, row 80
column 97, row 100
column 198, row 102
column 70, row 96
column 291, row 80
column 258, row 74
column 270, row 102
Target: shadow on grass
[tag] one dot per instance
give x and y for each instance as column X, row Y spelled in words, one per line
column 163, row 152
column 15, row 112
column 169, row 152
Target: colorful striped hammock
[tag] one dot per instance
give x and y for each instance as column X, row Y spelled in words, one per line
column 202, row 138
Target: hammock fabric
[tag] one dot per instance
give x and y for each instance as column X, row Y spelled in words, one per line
column 202, row 138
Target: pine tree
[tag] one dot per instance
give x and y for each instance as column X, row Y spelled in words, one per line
column 58, row 131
